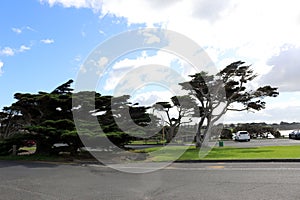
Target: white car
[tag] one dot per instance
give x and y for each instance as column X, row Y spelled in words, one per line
column 242, row 136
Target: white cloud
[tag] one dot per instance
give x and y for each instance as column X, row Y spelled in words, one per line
column 156, row 11
column 23, row 48
column 125, row 66
column 78, row 58
column 30, row 29
column 17, row 30
column 150, row 38
column 20, row 30
column 151, row 97
column 275, row 112
column 285, row 107
column 286, row 70
column 1, row 65
column 82, row 69
column 102, row 32
column 83, row 34
column 102, row 62
column 47, row 41
column 7, row 51
column 93, row 4
column 252, row 31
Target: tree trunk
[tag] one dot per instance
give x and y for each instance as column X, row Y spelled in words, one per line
column 199, row 137
column 43, row 148
column 170, row 134
column 7, row 127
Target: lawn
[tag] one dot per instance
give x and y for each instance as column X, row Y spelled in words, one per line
column 147, row 142
column 225, row 153
column 172, row 153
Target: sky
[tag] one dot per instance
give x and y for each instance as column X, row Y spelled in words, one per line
column 44, row 43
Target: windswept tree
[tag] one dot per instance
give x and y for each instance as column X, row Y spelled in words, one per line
column 48, row 118
column 226, row 91
column 179, row 111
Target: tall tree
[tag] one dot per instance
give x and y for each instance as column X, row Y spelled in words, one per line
column 183, row 108
column 48, row 117
column 226, row 91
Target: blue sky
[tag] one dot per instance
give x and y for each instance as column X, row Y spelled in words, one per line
column 43, row 43
column 43, row 46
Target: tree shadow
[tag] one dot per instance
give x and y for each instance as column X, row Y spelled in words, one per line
column 28, row 164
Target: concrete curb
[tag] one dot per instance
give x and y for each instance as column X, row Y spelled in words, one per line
column 237, row 161
column 73, row 162
column 83, row 162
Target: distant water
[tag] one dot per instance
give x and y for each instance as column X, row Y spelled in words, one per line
column 285, row 133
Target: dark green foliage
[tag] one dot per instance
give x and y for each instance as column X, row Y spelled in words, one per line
column 99, row 117
column 6, row 145
column 64, row 88
column 47, row 117
column 226, row 134
column 140, row 116
column 119, row 138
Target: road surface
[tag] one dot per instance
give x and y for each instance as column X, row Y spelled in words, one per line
column 262, row 142
column 207, row 181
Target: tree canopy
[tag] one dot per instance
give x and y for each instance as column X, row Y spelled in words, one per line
column 48, row 118
column 225, row 91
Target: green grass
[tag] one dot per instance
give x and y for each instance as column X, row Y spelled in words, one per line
column 170, row 153
column 142, row 142
column 270, row 152
column 225, row 153
column 30, row 149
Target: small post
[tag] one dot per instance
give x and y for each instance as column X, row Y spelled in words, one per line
column 14, row 150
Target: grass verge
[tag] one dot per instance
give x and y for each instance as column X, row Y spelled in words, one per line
column 225, row 153
column 170, row 153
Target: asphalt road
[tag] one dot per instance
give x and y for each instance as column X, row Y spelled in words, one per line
column 204, row 181
column 262, row 142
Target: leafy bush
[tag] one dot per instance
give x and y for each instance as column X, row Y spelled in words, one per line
column 6, row 145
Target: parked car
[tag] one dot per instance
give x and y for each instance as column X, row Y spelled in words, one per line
column 29, row 143
column 294, row 135
column 242, row 136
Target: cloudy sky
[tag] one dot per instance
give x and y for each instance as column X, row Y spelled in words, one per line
column 45, row 42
